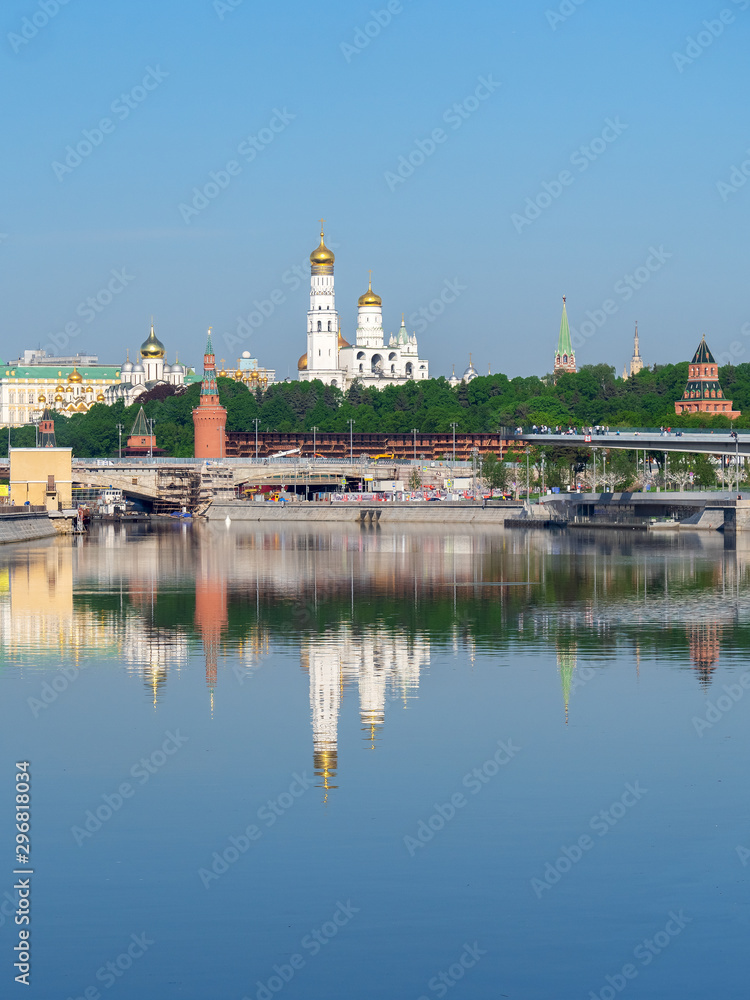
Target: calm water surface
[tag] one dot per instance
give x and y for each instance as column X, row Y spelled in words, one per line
column 368, row 763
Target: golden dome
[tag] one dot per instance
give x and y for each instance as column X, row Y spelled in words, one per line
column 152, row 347
column 42, row 399
column 342, row 343
column 322, row 256
column 60, row 388
column 370, row 298
column 59, row 398
column 75, row 376
column 302, row 363
column 100, row 397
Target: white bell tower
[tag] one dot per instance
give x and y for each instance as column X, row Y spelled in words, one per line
column 322, row 359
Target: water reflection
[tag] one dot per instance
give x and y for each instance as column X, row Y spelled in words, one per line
column 365, row 609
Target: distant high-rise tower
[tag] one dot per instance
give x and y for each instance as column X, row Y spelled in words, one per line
column 636, row 362
column 565, row 359
column 210, row 417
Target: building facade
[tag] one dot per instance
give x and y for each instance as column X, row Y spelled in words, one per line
column 150, row 369
column 332, row 359
column 27, row 390
column 703, row 392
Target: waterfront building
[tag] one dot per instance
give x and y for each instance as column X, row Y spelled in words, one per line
column 703, row 392
column 210, row 417
column 332, row 359
column 565, row 359
column 41, row 477
column 636, row 362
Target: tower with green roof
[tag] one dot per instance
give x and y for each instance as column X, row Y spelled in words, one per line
column 565, row 359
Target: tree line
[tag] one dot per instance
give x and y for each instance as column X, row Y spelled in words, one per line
column 594, row 395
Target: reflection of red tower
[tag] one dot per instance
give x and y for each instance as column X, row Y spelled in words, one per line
column 211, row 619
column 210, row 417
column 705, row 643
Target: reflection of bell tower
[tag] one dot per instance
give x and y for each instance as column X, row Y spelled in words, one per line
column 566, row 664
column 324, row 666
column 705, row 642
column 372, row 681
column 211, row 620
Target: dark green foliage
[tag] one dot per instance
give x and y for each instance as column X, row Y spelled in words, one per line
column 592, row 396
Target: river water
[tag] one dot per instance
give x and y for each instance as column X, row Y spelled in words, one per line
column 377, row 762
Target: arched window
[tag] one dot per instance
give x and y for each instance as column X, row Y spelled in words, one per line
column 329, row 326
column 320, row 326
column 565, row 359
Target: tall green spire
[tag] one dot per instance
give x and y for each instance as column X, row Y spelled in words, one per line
column 564, row 345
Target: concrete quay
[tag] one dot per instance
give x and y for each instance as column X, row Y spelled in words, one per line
column 470, row 512
column 20, row 526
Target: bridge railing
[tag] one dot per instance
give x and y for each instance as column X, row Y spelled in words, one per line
column 603, row 431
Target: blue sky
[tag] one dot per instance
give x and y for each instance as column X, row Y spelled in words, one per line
column 333, row 118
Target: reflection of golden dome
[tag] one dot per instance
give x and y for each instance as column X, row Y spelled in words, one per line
column 75, row 376
column 370, row 298
column 322, row 256
column 152, row 347
column 343, row 343
column 302, row 363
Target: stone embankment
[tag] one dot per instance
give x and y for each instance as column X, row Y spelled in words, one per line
column 383, row 513
column 20, row 526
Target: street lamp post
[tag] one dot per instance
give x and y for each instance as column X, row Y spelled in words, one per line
column 315, row 449
column 119, row 442
column 351, row 441
column 527, row 473
column 414, row 432
column 256, row 421
column 151, row 437
column 454, row 426
column 604, row 459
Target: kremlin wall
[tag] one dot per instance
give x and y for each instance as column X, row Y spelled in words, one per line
column 36, row 383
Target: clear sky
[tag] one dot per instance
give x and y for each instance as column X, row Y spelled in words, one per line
column 318, row 105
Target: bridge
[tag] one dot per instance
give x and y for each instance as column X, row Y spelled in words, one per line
column 708, row 442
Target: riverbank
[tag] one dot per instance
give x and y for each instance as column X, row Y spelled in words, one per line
column 407, row 513
column 21, row 526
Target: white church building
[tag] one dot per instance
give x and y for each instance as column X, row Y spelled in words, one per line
column 369, row 360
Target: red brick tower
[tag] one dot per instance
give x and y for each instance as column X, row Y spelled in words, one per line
column 210, row 417
column 703, row 392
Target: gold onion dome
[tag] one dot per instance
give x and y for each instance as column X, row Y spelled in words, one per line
column 302, row 363
column 322, row 256
column 370, row 298
column 75, row 376
column 152, row 347
column 342, row 343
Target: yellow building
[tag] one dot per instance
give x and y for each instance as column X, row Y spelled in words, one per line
column 41, row 476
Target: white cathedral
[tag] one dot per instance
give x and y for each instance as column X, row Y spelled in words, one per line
column 332, row 359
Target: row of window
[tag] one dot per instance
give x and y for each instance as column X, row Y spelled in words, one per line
column 697, row 394
column 709, row 371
